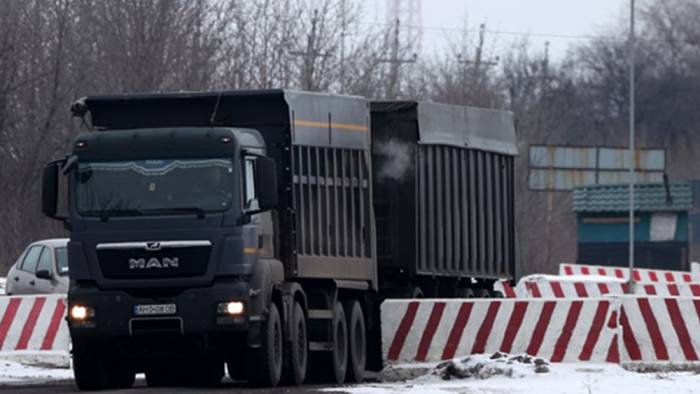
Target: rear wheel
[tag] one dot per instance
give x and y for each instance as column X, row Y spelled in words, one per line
column 265, row 366
column 357, row 341
column 482, row 293
column 296, row 355
column 335, row 362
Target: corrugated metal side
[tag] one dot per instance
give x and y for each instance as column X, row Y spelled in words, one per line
column 331, row 189
column 465, row 221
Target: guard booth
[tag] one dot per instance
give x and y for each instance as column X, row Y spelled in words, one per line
column 660, row 224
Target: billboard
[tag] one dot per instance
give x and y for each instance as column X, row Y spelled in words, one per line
column 565, row 167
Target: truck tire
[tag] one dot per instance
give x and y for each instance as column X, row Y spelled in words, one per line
column 93, row 370
column 334, row 364
column 265, row 368
column 296, row 355
column 236, row 366
column 357, row 341
column 206, row 373
column 160, row 377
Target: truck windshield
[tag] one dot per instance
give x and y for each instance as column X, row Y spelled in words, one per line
column 154, row 187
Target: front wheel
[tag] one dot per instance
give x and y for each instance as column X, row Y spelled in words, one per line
column 95, row 369
column 265, row 368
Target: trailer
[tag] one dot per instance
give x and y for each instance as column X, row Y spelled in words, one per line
column 443, row 198
column 239, row 228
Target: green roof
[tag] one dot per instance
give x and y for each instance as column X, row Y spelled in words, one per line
column 648, row 197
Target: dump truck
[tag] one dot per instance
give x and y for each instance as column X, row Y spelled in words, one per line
column 261, row 230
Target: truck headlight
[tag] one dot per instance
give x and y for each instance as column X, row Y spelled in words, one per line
column 81, row 312
column 231, row 308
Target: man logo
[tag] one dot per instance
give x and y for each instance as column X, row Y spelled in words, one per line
column 154, row 262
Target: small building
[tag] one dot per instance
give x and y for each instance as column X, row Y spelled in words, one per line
column 661, row 224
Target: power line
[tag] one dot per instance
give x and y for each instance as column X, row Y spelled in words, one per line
column 501, row 32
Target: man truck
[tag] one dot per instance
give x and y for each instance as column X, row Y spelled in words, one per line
column 260, row 230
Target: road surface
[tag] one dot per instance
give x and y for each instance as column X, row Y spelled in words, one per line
column 140, row 387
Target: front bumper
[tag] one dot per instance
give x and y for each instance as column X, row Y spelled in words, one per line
column 196, row 311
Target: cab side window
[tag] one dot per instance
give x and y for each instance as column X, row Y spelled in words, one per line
column 45, row 261
column 251, row 196
column 31, row 259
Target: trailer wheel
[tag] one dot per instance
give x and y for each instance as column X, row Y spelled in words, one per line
column 93, row 370
column 296, row 356
column 265, row 366
column 482, row 293
column 357, row 341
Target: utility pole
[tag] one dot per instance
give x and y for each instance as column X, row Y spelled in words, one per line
column 478, row 62
column 342, row 47
column 630, row 288
column 395, row 63
column 310, row 56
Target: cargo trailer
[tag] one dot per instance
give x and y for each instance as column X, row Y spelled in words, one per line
column 443, row 197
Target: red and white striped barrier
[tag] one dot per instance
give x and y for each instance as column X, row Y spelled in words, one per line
column 33, row 323
column 551, row 286
column 559, row 330
column 656, row 329
column 639, row 274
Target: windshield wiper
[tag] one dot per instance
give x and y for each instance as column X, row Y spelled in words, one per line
column 201, row 213
column 105, row 215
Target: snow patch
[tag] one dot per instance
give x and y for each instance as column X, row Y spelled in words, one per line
column 485, row 367
column 12, row 372
column 502, row 373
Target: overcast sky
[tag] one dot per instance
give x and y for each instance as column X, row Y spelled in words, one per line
column 537, row 17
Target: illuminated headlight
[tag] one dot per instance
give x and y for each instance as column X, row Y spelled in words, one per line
column 232, row 308
column 81, row 312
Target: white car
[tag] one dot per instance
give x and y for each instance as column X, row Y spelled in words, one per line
column 42, row 268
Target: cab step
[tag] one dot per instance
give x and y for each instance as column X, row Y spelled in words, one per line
column 315, row 346
column 320, row 314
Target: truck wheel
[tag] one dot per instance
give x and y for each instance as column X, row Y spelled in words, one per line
column 266, row 361
column 482, row 293
column 296, row 356
column 207, row 373
column 335, row 362
column 236, row 366
column 92, row 369
column 357, row 341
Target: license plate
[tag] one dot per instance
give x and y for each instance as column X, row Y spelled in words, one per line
column 155, row 309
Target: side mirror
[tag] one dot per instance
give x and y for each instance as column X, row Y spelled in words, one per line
column 266, row 183
column 49, row 189
column 43, row 274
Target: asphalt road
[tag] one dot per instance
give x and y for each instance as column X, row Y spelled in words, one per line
column 140, row 387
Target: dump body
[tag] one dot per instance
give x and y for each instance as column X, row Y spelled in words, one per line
column 443, row 194
column 323, row 227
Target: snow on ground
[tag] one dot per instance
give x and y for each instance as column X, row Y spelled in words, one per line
column 594, row 278
column 482, row 375
column 12, row 372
